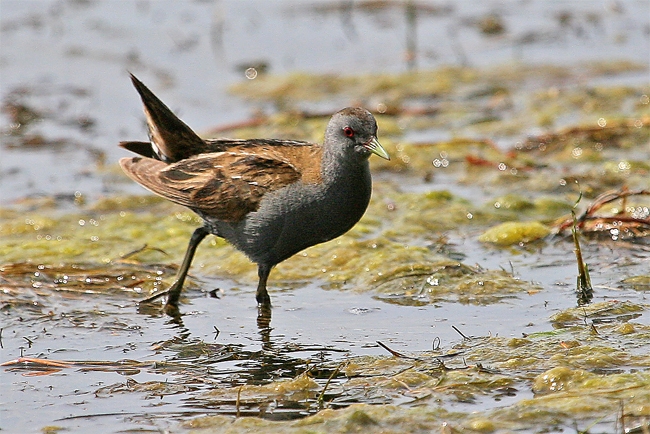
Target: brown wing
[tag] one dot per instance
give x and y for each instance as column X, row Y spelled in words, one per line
column 225, row 185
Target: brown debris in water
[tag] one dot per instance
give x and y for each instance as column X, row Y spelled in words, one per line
column 627, row 222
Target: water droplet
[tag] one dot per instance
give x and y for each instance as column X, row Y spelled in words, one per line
column 442, row 161
column 577, row 151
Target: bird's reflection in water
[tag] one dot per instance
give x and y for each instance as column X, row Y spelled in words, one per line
column 230, row 365
column 264, row 326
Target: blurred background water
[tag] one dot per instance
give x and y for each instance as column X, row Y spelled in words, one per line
column 69, row 62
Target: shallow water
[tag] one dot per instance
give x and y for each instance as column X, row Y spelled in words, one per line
column 68, row 62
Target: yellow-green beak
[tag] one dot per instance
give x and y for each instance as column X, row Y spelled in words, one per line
column 374, row 147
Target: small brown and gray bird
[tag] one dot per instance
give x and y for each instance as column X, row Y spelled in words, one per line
column 269, row 198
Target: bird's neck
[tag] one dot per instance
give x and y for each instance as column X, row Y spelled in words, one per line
column 347, row 183
column 350, row 170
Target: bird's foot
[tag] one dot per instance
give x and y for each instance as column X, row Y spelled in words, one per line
column 263, row 299
column 171, row 305
column 172, row 310
column 154, row 297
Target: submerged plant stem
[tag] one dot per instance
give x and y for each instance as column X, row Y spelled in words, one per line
column 329, row 380
column 583, row 288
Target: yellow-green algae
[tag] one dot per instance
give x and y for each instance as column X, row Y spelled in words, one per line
column 375, row 255
column 640, row 283
column 296, row 389
column 53, row 429
column 606, row 146
column 388, row 251
column 396, row 87
column 595, row 311
column 561, row 370
column 509, row 233
column 454, row 98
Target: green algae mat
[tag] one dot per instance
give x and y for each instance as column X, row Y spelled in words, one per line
column 451, row 307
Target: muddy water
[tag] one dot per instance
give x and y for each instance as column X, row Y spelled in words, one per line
column 64, row 64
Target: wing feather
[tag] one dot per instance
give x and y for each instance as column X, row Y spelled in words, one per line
column 225, row 185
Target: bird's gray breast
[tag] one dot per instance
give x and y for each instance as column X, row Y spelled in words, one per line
column 302, row 215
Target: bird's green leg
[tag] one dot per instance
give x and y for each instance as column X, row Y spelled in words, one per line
column 174, row 291
column 262, row 296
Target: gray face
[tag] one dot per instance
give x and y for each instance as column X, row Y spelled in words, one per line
column 351, row 131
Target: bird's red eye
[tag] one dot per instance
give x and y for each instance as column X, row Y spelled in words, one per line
column 348, row 131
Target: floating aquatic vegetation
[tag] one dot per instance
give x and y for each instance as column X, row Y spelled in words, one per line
column 509, row 233
column 465, row 164
column 558, row 367
column 432, row 83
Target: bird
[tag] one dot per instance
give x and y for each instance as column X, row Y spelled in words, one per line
column 269, row 198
